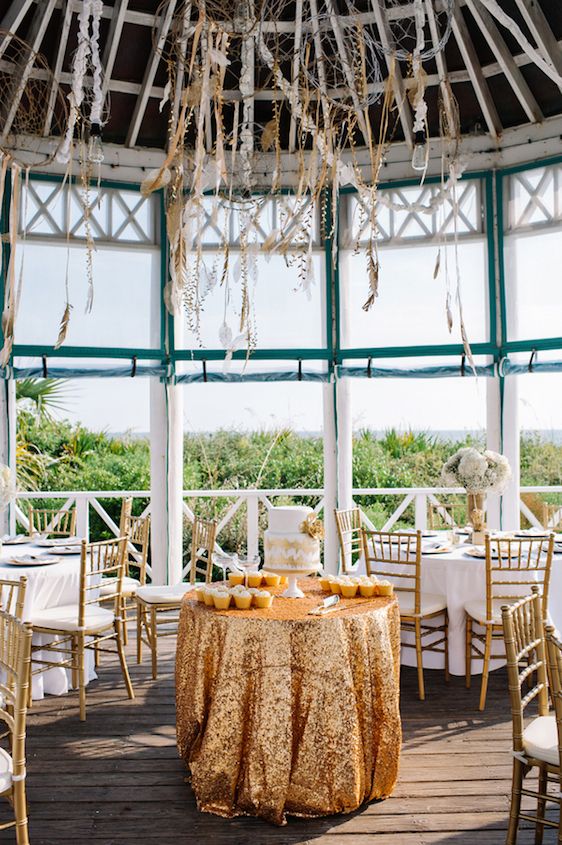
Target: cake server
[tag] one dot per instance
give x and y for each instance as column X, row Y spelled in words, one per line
column 327, row 605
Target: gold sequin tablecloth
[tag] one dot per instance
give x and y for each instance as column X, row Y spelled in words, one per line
column 280, row 712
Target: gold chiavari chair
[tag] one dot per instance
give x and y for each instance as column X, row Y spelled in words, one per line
column 348, row 523
column 15, row 659
column 551, row 516
column 86, row 625
column 125, row 516
column 12, row 596
column 512, row 567
column 441, row 516
column 398, row 558
column 52, row 522
column 535, row 744
column 136, row 559
column 159, row 606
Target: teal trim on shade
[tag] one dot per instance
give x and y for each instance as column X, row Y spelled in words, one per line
column 491, row 250
column 87, row 372
column 415, row 182
column 105, row 183
column 230, row 378
column 531, row 165
column 24, row 350
column 487, row 371
column 501, row 257
column 257, row 355
column 544, row 344
column 416, row 351
column 4, row 228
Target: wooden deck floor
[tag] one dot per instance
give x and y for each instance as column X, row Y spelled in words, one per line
column 117, row 778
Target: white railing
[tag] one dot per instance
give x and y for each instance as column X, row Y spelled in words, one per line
column 87, row 502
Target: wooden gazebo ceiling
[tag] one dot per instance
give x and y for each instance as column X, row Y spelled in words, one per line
column 497, row 87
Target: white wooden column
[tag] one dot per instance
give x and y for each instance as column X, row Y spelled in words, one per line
column 166, row 459
column 8, row 446
column 511, row 449
column 493, row 442
column 330, row 477
column 344, row 443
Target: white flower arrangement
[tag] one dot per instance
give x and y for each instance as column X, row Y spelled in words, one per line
column 476, row 471
column 7, row 488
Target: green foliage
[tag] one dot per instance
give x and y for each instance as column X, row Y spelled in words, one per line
column 44, row 395
column 56, row 455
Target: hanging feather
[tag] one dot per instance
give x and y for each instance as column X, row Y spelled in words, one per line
column 63, row 326
column 449, row 312
column 269, row 135
column 373, row 271
column 437, row 264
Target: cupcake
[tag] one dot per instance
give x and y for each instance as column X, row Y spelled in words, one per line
column 349, row 588
column 254, row 579
column 235, row 578
column 263, row 599
column 324, row 582
column 283, row 579
column 221, row 599
column 199, row 592
column 208, row 591
column 385, row 588
column 243, row 600
column 271, row 579
column 367, row 590
column 335, row 586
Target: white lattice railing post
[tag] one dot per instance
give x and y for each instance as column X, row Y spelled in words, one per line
column 252, row 525
column 420, row 507
column 83, row 517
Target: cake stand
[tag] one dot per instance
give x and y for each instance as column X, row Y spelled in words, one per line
column 293, row 591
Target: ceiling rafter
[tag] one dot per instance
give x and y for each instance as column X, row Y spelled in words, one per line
column 295, row 71
column 64, row 30
column 35, row 36
column 348, row 72
column 112, row 43
column 539, row 27
column 441, row 65
column 502, row 53
column 12, row 20
column 149, row 74
column 475, row 72
column 402, row 104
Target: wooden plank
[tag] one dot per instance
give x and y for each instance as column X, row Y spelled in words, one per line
column 116, row 771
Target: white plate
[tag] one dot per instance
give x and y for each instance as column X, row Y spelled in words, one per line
column 480, row 552
column 440, row 550
column 68, row 550
column 33, row 560
column 56, row 542
column 16, row 540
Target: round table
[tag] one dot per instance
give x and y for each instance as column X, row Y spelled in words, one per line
column 462, row 578
column 280, row 712
column 47, row 586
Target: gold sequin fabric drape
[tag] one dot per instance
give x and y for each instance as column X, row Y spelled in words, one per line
column 280, row 712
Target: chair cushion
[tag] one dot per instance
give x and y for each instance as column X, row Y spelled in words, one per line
column 129, row 586
column 477, row 609
column 540, row 739
column 163, row 595
column 429, row 603
column 65, row 618
column 6, row 769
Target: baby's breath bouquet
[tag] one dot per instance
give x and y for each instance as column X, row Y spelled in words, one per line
column 476, row 471
column 479, row 472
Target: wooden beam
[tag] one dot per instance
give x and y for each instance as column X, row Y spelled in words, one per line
column 502, row 53
column 348, row 72
column 12, row 20
column 402, row 104
column 112, row 42
column 540, row 29
column 441, row 64
column 34, row 38
column 295, row 69
column 149, row 74
column 64, row 29
column 468, row 52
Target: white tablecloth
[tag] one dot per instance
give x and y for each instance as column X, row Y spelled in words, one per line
column 47, row 586
column 462, row 578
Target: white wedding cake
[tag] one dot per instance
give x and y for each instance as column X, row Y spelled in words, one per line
column 287, row 544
